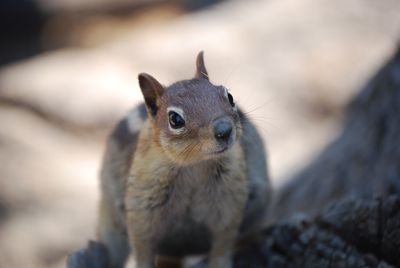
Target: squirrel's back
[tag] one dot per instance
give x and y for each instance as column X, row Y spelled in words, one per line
column 120, row 148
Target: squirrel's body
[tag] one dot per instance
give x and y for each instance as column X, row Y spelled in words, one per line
column 182, row 177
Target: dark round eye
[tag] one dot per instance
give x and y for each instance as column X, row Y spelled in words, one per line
column 230, row 98
column 175, row 120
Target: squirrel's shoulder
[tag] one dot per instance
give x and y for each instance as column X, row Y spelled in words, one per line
column 129, row 126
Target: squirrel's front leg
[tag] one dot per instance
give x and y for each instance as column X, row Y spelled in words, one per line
column 222, row 247
column 140, row 242
column 144, row 256
column 219, row 260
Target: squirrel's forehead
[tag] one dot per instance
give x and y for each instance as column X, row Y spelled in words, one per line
column 193, row 88
column 195, row 101
column 191, row 91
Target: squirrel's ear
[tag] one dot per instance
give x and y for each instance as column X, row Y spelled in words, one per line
column 151, row 90
column 201, row 71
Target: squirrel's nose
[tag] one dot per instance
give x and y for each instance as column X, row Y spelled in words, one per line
column 222, row 130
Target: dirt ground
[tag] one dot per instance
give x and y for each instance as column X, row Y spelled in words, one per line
column 293, row 65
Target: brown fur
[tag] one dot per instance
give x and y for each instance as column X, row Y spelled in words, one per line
column 177, row 192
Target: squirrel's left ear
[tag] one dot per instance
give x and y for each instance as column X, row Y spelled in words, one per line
column 201, row 71
column 152, row 91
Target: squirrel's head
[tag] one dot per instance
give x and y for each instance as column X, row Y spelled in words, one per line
column 192, row 120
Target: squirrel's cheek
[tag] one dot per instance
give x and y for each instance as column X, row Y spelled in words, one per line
column 179, row 151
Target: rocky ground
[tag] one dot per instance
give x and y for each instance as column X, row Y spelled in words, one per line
column 293, row 65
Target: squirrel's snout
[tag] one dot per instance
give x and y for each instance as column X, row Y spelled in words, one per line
column 223, row 130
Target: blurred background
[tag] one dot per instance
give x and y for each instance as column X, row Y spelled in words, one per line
column 68, row 72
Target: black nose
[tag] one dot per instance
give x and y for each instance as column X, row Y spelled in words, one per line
column 222, row 130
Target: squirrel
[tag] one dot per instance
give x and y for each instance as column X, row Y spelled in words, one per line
column 184, row 173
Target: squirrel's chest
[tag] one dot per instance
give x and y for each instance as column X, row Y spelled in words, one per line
column 194, row 195
column 181, row 209
column 197, row 192
column 188, row 215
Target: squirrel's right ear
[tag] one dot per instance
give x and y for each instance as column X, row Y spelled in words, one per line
column 152, row 91
column 201, row 71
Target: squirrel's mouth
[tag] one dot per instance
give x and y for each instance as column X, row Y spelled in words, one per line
column 221, row 150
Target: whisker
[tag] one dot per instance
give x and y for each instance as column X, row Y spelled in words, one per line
column 227, row 78
column 184, row 152
column 255, row 109
column 194, row 147
column 261, row 124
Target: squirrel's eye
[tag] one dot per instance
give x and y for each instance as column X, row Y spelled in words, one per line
column 230, row 98
column 175, row 120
